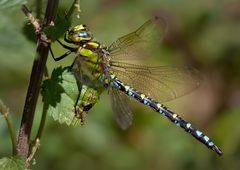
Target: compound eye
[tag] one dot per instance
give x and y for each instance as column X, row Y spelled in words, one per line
column 82, row 34
column 78, row 34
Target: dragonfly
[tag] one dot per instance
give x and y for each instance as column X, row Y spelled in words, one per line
column 112, row 67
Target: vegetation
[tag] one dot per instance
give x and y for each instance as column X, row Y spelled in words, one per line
column 204, row 34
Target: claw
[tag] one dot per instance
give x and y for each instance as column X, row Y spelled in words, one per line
column 80, row 114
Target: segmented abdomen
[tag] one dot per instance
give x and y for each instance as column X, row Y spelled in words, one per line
column 173, row 117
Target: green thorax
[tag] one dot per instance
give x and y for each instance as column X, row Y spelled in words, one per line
column 91, row 54
column 90, row 50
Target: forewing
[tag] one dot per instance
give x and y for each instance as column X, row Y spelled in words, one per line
column 121, row 108
column 162, row 83
column 134, row 45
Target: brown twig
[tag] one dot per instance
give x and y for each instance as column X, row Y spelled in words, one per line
column 39, row 65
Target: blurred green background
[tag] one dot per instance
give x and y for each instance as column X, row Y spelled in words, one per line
column 203, row 33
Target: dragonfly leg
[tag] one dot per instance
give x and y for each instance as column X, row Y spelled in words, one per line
column 65, row 46
column 78, row 111
column 70, row 50
column 79, row 114
column 81, row 110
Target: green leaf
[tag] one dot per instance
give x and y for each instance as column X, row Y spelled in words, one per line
column 61, row 25
column 60, row 94
column 29, row 32
column 6, row 4
column 13, row 163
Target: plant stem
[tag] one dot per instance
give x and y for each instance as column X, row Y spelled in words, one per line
column 31, row 99
column 12, row 135
column 36, row 143
column 42, row 122
column 38, row 67
column 38, row 8
column 5, row 112
column 75, row 5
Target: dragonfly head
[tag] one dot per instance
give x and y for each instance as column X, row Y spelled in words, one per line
column 78, row 34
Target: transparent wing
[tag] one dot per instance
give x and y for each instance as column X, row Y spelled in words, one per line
column 121, row 109
column 129, row 46
column 162, row 83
